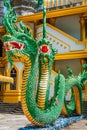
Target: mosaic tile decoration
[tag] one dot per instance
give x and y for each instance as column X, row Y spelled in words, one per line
column 59, row 123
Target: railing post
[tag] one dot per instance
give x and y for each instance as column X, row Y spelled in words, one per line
column 83, row 2
column 67, row 2
column 57, row 3
column 60, row 2
column 45, row 3
column 52, row 3
column 48, row 4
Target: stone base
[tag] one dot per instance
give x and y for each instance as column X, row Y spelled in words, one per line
column 59, row 123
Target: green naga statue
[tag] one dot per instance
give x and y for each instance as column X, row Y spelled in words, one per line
column 38, row 59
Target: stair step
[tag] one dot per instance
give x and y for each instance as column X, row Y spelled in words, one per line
column 85, row 108
column 11, row 108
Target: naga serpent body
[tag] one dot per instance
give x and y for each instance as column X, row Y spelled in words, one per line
column 38, row 59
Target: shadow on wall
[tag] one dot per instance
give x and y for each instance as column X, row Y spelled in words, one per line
column 63, row 64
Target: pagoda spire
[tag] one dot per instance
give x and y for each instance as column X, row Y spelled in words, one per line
column 1, row 11
column 24, row 7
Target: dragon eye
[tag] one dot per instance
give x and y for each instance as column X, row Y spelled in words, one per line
column 23, row 38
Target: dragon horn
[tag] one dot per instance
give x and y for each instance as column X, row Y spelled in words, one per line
column 44, row 22
column 7, row 4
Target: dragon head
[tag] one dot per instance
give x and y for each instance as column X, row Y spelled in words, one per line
column 46, row 52
column 11, row 43
column 19, row 39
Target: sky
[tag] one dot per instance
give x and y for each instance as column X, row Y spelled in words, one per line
column 5, row 7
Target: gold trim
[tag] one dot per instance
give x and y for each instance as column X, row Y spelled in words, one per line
column 71, row 55
column 54, row 72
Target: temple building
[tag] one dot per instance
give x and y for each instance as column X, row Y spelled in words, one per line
column 66, row 30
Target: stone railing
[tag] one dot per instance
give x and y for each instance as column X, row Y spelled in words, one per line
column 59, row 4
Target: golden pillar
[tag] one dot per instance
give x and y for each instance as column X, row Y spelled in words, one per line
column 7, row 73
column 82, row 29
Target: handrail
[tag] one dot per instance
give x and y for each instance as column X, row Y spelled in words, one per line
column 6, row 79
column 63, row 33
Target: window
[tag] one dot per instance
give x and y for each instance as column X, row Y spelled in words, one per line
column 14, row 76
column 0, row 87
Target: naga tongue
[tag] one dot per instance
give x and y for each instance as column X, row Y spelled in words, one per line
column 44, row 49
column 16, row 45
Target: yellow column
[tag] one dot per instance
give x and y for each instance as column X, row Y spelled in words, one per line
column 83, row 31
column 82, row 28
column 7, row 73
column 86, row 2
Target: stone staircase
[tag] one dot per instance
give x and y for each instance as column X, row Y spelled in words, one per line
column 85, row 108
column 10, row 108
column 15, row 108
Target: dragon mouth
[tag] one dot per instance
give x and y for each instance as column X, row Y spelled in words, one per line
column 12, row 45
column 44, row 49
